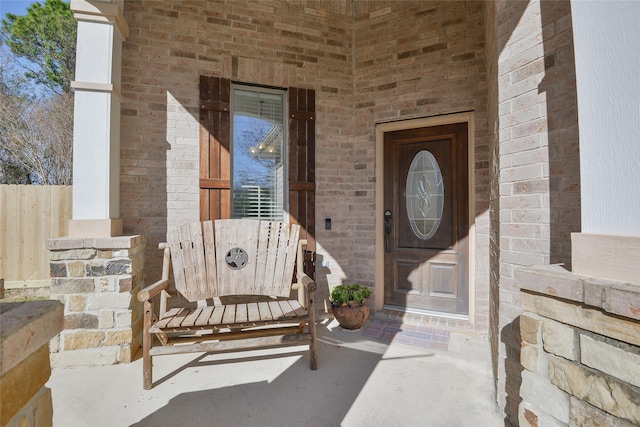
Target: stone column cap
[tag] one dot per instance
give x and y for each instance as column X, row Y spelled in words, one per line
column 27, row 326
column 619, row 298
column 118, row 242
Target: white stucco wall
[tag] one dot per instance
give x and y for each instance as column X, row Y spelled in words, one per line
column 607, row 36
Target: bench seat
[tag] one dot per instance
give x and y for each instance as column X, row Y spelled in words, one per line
column 230, row 316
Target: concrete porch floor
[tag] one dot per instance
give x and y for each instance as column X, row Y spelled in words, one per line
column 359, row 382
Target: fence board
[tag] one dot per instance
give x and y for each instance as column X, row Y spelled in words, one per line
column 29, row 216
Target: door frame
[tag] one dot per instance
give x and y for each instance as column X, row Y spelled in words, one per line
column 381, row 129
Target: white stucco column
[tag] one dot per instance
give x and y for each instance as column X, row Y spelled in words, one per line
column 606, row 35
column 96, row 131
column 607, row 59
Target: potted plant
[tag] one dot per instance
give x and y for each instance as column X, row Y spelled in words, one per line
column 349, row 305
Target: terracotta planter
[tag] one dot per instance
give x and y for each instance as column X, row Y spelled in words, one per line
column 351, row 316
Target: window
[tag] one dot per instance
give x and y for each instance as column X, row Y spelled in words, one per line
column 291, row 184
column 258, row 156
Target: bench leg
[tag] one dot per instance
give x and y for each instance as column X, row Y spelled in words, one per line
column 146, row 346
column 313, row 345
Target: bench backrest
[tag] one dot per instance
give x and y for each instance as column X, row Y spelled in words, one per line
column 233, row 257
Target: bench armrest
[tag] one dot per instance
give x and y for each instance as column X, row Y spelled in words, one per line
column 161, row 285
column 305, row 285
column 307, row 282
column 152, row 290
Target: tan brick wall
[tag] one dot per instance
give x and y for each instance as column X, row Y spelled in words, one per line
column 413, row 59
column 419, row 59
column 494, row 193
column 538, row 200
column 371, row 62
column 277, row 44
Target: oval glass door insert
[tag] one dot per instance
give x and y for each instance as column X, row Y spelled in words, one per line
column 424, row 195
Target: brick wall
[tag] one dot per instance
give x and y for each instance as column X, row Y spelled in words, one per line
column 538, row 163
column 419, row 59
column 277, row 44
column 413, row 59
column 494, row 184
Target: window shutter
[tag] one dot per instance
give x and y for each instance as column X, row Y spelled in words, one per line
column 302, row 157
column 215, row 157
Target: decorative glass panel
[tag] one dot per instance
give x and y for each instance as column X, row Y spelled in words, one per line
column 425, row 195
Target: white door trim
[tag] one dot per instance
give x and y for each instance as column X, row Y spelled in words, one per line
column 381, row 129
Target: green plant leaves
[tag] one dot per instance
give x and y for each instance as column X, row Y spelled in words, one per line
column 345, row 294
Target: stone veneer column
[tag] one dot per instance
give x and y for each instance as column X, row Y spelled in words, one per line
column 97, row 280
column 27, row 328
column 580, row 350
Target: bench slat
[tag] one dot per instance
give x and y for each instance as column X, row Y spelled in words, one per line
column 241, row 313
column 200, row 270
column 177, row 320
column 262, row 265
column 276, row 311
column 175, row 246
column 188, row 262
column 271, row 255
column 193, row 315
column 253, row 312
column 292, row 308
column 203, row 318
column 162, row 323
column 290, row 262
column 281, row 260
column 216, row 316
column 210, row 257
column 265, row 311
column 229, row 316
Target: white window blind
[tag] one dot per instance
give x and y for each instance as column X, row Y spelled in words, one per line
column 258, row 153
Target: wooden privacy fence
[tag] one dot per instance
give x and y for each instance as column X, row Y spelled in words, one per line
column 29, row 216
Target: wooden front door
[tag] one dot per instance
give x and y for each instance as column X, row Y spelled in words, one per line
column 426, row 219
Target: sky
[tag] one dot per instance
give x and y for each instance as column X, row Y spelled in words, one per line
column 17, row 7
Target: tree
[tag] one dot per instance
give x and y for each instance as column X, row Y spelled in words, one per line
column 46, row 38
column 36, row 107
column 36, row 140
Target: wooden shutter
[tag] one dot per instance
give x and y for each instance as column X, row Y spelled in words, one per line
column 215, row 143
column 302, row 158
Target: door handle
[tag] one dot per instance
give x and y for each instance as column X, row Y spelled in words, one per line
column 387, row 230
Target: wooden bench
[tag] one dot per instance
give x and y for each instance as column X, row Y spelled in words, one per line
column 239, row 276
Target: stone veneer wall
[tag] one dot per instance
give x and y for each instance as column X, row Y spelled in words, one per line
column 27, row 328
column 97, row 280
column 580, row 351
